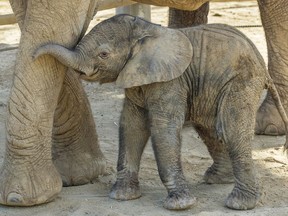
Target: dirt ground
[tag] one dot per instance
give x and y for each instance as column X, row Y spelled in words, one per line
column 106, row 102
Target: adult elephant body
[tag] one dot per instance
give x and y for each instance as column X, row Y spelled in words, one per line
column 42, row 92
column 274, row 15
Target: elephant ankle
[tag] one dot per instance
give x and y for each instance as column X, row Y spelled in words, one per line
column 214, row 176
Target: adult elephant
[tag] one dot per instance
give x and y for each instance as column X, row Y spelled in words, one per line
column 40, row 150
column 274, row 16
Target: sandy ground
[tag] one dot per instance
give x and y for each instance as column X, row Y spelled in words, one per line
column 106, row 101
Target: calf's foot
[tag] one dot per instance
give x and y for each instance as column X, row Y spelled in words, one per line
column 179, row 200
column 242, row 199
column 214, row 176
column 126, row 188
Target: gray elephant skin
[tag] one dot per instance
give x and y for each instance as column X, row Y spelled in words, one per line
column 49, row 143
column 274, row 17
column 211, row 75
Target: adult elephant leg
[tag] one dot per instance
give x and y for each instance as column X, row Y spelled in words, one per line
column 19, row 9
column 76, row 152
column 274, row 15
column 28, row 176
column 181, row 18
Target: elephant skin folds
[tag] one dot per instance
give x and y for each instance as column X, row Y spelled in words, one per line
column 106, row 102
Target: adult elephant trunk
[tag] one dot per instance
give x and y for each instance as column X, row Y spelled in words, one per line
column 74, row 59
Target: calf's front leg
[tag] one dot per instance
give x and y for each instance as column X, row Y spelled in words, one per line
column 166, row 125
column 133, row 136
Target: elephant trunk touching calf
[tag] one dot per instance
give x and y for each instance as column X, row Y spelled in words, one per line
column 211, row 75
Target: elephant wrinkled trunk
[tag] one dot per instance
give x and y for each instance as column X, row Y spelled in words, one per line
column 73, row 59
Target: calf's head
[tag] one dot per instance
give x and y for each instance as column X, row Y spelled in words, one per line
column 128, row 50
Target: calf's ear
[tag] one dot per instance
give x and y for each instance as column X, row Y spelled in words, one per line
column 158, row 56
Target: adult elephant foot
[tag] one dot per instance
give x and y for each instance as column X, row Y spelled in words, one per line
column 28, row 185
column 268, row 120
column 76, row 151
column 78, row 167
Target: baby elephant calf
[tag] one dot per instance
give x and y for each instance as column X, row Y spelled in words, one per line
column 211, row 75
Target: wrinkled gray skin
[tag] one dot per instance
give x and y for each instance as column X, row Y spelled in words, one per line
column 274, row 16
column 49, row 142
column 211, row 75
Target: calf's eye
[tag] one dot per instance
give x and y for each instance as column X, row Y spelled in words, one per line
column 104, row 55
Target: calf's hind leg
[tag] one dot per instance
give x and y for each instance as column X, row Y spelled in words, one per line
column 237, row 119
column 220, row 172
